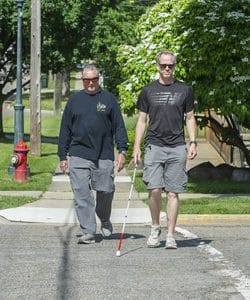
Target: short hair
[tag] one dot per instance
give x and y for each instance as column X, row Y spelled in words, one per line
column 91, row 67
column 165, row 52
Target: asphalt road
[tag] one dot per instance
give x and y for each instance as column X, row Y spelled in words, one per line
column 45, row 262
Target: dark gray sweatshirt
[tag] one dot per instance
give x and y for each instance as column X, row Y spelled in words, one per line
column 90, row 126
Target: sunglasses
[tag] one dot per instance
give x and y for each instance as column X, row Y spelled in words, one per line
column 163, row 66
column 87, row 80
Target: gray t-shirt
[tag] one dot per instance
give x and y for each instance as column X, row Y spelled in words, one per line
column 166, row 106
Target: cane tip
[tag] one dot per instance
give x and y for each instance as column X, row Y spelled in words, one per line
column 118, row 253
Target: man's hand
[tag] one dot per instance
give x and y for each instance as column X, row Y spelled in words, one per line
column 192, row 152
column 137, row 155
column 64, row 165
column 120, row 162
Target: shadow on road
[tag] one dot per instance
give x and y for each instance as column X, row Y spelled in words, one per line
column 64, row 269
column 188, row 243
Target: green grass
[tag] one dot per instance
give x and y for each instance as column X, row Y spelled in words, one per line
column 10, row 202
column 221, row 205
column 227, row 205
column 41, row 168
column 50, row 125
column 47, row 102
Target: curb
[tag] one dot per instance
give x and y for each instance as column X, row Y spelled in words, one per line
column 215, row 218
column 33, row 194
column 141, row 196
column 189, row 196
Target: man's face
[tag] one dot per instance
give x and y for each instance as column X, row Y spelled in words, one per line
column 166, row 66
column 90, row 79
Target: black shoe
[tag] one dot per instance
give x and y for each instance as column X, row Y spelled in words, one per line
column 106, row 229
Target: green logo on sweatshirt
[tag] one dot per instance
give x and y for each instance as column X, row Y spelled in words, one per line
column 100, row 107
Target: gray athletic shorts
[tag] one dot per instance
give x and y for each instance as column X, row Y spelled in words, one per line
column 100, row 174
column 165, row 167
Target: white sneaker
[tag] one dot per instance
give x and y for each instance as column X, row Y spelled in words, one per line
column 154, row 238
column 86, row 238
column 170, row 243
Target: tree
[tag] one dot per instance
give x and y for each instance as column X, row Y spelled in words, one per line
column 66, row 31
column 63, row 24
column 113, row 27
column 211, row 40
column 216, row 44
column 8, row 37
column 66, row 35
column 138, row 62
column 214, row 52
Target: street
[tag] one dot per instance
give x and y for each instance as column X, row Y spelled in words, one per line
column 45, row 262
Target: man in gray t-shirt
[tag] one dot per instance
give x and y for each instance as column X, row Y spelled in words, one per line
column 166, row 101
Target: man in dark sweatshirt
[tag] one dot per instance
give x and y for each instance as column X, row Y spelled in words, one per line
column 91, row 123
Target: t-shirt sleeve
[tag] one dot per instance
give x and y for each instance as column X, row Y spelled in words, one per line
column 142, row 103
column 189, row 100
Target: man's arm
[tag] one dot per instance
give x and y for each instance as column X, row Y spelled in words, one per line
column 121, row 137
column 139, row 132
column 192, row 129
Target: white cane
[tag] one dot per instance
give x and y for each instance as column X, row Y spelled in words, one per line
column 118, row 252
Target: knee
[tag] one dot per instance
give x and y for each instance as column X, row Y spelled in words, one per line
column 172, row 196
column 155, row 193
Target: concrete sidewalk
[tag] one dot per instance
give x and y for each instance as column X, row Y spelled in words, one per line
column 57, row 204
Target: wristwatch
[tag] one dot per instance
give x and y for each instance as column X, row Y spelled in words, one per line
column 123, row 152
column 193, row 142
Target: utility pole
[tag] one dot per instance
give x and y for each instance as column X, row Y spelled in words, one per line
column 35, row 82
column 18, row 107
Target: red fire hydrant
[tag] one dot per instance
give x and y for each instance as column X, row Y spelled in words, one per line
column 19, row 160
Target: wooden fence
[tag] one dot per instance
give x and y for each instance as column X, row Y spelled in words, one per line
column 231, row 155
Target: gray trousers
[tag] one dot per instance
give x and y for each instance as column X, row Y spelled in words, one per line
column 85, row 176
